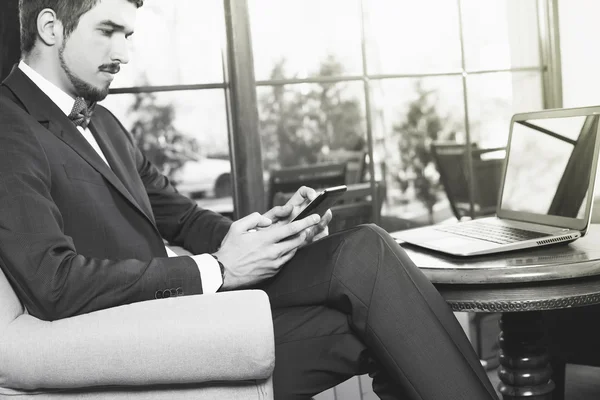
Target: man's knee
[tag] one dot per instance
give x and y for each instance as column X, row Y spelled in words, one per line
column 373, row 242
column 364, row 246
column 366, row 234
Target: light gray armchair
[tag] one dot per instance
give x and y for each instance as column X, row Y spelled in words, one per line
column 216, row 346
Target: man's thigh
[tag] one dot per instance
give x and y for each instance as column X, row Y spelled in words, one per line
column 315, row 349
column 305, row 279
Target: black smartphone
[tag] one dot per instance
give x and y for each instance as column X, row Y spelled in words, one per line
column 322, row 202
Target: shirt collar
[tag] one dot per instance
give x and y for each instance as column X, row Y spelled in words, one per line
column 59, row 97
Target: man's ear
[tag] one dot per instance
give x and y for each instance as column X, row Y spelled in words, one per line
column 50, row 29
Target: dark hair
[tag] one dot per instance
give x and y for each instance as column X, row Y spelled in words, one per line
column 67, row 11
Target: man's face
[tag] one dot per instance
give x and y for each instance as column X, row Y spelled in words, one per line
column 93, row 52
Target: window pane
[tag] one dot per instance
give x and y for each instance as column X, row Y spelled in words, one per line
column 409, row 114
column 176, row 42
column 185, row 134
column 305, row 124
column 493, row 99
column 500, row 34
column 301, row 34
column 407, row 36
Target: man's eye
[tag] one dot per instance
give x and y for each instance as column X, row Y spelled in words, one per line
column 106, row 32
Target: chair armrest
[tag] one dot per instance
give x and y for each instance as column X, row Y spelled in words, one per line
column 190, row 339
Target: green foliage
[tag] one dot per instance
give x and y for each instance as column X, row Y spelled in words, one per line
column 299, row 126
column 166, row 147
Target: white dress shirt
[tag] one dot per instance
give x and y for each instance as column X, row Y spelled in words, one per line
column 207, row 265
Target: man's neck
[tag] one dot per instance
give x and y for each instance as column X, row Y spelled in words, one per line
column 62, row 99
column 50, row 71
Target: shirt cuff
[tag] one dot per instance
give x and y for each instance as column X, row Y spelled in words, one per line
column 210, row 273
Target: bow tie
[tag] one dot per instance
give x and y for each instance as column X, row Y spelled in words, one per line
column 81, row 113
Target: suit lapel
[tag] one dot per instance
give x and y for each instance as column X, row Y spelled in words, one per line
column 39, row 106
column 118, row 168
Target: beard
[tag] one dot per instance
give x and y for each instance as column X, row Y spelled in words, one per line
column 83, row 89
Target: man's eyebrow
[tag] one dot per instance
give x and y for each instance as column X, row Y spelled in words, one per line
column 116, row 27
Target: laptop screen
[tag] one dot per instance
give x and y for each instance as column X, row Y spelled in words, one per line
column 549, row 164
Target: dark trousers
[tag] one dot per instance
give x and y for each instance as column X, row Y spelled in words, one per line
column 354, row 303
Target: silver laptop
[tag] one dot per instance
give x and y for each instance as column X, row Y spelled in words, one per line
column 546, row 191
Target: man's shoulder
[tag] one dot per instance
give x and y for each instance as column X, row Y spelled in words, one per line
column 5, row 100
column 11, row 112
column 19, row 143
column 17, row 127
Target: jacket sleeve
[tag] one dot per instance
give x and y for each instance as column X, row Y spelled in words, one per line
column 50, row 277
column 179, row 219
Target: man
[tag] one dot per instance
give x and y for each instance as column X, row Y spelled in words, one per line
column 83, row 215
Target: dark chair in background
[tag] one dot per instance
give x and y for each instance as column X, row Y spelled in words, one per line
column 452, row 164
column 357, row 167
column 318, row 176
column 355, row 206
column 356, row 163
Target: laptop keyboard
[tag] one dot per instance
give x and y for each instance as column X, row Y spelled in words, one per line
column 490, row 232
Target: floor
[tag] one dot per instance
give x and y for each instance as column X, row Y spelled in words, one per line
column 583, row 382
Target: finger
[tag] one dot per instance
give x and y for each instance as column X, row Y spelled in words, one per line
column 310, row 233
column 290, row 244
column 307, row 193
column 303, row 195
column 317, row 233
column 264, row 222
column 279, row 212
column 252, row 221
column 285, row 231
column 325, row 219
column 322, row 234
column 320, row 230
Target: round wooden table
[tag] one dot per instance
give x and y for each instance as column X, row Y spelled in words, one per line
column 520, row 285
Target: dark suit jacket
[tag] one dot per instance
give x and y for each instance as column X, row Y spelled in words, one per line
column 77, row 236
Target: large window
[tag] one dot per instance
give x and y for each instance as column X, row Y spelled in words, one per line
column 403, row 74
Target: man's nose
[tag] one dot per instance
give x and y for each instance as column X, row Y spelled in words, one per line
column 120, row 51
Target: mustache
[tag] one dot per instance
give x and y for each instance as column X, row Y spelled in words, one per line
column 112, row 68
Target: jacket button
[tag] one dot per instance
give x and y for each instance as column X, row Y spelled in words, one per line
column 158, row 294
column 179, row 291
column 166, row 293
column 173, row 292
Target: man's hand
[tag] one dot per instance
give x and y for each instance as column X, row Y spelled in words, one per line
column 251, row 254
column 282, row 215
